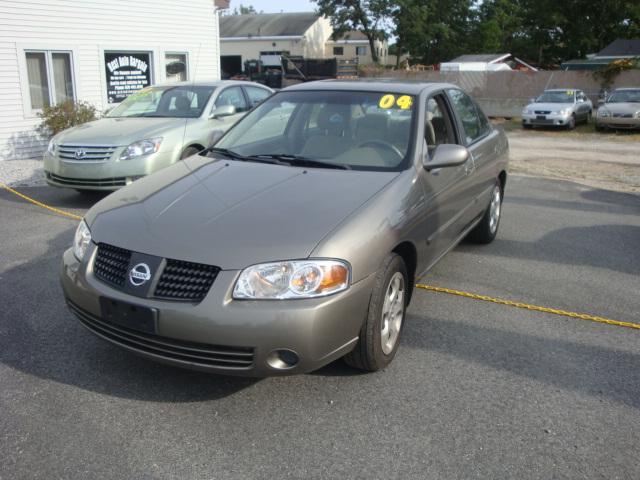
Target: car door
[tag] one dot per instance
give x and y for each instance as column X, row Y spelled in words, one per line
column 481, row 139
column 443, row 187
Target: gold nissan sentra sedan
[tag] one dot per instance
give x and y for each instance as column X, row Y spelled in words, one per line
column 297, row 238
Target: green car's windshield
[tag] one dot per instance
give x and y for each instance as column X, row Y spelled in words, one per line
column 624, row 96
column 184, row 101
column 347, row 129
column 565, row 96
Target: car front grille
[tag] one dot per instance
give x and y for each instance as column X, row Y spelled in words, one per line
column 185, row 280
column 622, row 115
column 542, row 112
column 85, row 153
column 87, row 182
column 193, row 353
column 179, row 281
column 111, row 264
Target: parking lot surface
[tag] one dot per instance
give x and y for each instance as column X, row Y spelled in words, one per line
column 477, row 390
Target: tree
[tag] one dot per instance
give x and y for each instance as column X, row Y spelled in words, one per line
column 242, row 10
column 367, row 16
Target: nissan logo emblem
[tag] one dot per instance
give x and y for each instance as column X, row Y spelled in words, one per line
column 80, row 153
column 139, row 274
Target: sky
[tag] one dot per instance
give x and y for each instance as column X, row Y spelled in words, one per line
column 275, row 6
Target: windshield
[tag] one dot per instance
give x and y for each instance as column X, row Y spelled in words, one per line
column 624, row 96
column 178, row 102
column 358, row 130
column 565, row 96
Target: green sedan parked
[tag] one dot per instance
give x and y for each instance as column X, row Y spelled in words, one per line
column 148, row 131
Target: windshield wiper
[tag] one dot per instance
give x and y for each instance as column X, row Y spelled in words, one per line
column 236, row 156
column 300, row 161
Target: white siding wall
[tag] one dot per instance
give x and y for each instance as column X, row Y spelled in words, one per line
column 88, row 28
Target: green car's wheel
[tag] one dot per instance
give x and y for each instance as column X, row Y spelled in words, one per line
column 189, row 151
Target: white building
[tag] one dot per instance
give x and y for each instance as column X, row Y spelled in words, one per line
column 97, row 52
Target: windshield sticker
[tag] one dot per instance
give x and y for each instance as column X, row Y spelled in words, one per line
column 388, row 101
column 569, row 92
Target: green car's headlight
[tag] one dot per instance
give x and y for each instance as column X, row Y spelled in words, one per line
column 292, row 279
column 603, row 112
column 81, row 240
column 140, row 148
column 51, row 148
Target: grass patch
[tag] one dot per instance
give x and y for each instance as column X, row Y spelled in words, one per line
column 515, row 124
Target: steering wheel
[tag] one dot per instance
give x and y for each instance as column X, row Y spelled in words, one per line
column 384, row 145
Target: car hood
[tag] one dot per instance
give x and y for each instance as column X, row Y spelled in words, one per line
column 231, row 214
column 118, row 131
column 622, row 107
column 549, row 106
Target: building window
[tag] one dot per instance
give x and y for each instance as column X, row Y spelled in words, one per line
column 176, row 67
column 338, row 50
column 361, row 50
column 50, row 78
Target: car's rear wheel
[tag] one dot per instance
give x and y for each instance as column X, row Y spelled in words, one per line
column 487, row 229
column 189, row 151
column 380, row 332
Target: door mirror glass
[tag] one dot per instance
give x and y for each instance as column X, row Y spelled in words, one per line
column 446, row 155
column 223, row 111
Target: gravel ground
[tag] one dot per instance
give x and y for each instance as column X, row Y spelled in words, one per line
column 603, row 161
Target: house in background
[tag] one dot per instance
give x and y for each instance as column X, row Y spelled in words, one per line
column 619, row 49
column 247, row 37
column 354, row 44
column 489, row 62
column 97, row 52
column 298, row 34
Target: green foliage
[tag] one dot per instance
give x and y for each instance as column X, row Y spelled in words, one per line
column 607, row 75
column 65, row 115
column 367, row 16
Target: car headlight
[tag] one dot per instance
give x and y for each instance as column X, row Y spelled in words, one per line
column 603, row 112
column 637, row 114
column 51, row 148
column 564, row 111
column 81, row 240
column 140, row 148
column 292, row 279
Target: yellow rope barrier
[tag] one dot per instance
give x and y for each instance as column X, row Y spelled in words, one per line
column 40, row 204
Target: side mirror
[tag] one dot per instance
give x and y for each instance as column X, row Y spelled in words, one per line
column 223, row 111
column 446, row 155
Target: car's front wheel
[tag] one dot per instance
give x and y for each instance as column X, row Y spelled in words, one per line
column 380, row 332
column 189, row 151
column 571, row 124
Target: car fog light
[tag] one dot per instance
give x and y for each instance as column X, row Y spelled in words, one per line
column 283, row 359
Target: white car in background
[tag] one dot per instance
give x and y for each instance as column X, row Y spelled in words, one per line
column 559, row 107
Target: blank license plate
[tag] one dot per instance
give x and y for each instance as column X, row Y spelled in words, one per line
column 135, row 317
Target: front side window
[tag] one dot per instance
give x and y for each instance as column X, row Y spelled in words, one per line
column 359, row 130
column 256, row 95
column 186, row 101
column 50, row 77
column 474, row 122
column 438, row 127
column 232, row 96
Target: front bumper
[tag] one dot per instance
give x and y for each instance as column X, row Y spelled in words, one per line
column 625, row 123
column 548, row 120
column 222, row 335
column 108, row 175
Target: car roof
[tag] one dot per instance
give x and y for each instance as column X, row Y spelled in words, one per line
column 209, row 83
column 407, row 87
column 563, row 89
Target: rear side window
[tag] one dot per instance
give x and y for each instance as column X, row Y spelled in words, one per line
column 474, row 122
column 232, row 96
column 256, row 95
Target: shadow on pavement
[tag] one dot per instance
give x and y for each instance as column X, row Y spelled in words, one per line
column 590, row 369
column 40, row 337
column 601, row 246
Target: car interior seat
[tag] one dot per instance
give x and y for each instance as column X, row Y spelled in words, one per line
column 333, row 139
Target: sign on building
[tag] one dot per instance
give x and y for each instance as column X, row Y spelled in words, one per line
column 126, row 73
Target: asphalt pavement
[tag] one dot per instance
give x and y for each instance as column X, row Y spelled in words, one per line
column 477, row 390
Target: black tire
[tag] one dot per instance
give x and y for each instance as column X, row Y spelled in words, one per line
column 189, row 151
column 527, row 126
column 572, row 122
column 485, row 231
column 368, row 353
column 600, row 128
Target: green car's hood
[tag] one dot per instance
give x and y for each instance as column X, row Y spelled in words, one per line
column 118, row 131
column 231, row 214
